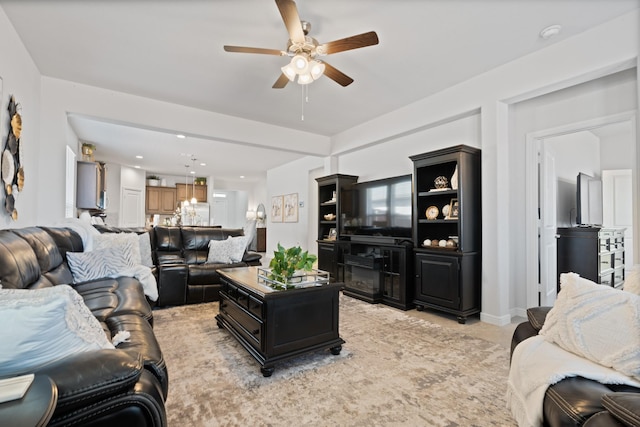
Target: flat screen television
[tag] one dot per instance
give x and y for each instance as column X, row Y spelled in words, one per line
column 378, row 208
column 588, row 200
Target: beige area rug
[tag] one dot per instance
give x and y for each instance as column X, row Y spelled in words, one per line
column 394, row 370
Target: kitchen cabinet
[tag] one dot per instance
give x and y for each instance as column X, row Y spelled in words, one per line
column 161, row 200
column 186, row 192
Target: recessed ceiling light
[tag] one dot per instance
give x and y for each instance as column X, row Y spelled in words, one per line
column 203, row 164
column 139, row 157
column 193, row 172
column 181, row 136
column 550, row 31
column 242, row 176
column 137, row 166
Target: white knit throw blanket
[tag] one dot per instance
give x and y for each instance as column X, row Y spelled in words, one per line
column 537, row 364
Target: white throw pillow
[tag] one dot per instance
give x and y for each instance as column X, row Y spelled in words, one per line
column 40, row 326
column 238, row 247
column 97, row 264
column 128, row 243
column 144, row 241
column 227, row 251
column 597, row 322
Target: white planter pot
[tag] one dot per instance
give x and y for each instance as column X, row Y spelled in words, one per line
column 153, row 182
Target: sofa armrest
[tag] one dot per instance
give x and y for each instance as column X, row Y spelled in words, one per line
column 172, row 284
column 92, row 376
column 625, row 407
column 537, row 316
column 252, row 258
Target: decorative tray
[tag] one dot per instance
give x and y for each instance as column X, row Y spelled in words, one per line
column 302, row 279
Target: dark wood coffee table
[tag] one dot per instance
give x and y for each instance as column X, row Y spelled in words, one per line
column 276, row 325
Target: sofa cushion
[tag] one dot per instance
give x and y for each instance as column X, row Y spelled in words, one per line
column 44, row 325
column 97, row 264
column 43, row 245
column 226, row 251
column 144, row 242
column 597, row 322
column 127, row 243
column 19, row 267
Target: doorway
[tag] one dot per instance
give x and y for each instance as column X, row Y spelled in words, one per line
column 549, row 204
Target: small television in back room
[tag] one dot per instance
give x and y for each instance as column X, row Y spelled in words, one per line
column 588, row 200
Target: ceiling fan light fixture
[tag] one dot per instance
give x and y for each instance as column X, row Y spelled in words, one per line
column 316, row 68
column 305, row 79
column 289, row 71
column 300, row 63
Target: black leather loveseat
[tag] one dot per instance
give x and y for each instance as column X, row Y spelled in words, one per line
column 578, row 401
column 180, row 255
column 125, row 386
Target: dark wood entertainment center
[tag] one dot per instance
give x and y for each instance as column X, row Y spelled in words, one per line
column 382, row 264
column 448, row 278
column 375, row 267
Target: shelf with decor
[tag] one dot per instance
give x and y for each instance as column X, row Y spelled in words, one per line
column 330, row 196
column 447, row 230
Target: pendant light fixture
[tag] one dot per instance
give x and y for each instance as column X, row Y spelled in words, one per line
column 186, row 186
column 193, row 182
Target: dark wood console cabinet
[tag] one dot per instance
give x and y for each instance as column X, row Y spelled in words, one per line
column 595, row 253
column 377, row 272
column 448, row 278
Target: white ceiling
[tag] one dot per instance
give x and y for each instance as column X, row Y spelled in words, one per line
column 172, row 51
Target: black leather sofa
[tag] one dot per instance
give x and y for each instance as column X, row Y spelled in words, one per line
column 578, row 401
column 126, row 386
column 180, row 255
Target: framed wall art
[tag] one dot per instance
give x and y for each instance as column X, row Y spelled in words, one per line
column 291, row 207
column 453, row 209
column 276, row 209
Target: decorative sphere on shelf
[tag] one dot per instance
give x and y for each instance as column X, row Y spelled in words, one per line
column 435, row 242
column 451, row 243
column 427, row 242
column 441, row 182
column 443, row 243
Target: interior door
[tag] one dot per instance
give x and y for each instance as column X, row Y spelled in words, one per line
column 617, row 210
column 547, row 228
column 132, row 208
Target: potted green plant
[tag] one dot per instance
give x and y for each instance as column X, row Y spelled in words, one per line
column 288, row 263
column 153, row 180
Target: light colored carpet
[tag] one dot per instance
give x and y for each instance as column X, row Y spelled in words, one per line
column 394, row 370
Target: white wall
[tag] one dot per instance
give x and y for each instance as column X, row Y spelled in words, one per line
column 574, row 153
column 291, row 178
column 21, row 78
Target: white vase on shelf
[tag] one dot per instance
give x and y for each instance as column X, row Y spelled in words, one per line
column 454, row 179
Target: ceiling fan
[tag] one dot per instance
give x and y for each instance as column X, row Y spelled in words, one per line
column 305, row 50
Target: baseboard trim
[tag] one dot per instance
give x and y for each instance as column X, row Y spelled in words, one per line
column 495, row 320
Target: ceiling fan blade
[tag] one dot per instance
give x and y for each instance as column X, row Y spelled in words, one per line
column 353, row 42
column 281, row 82
column 242, row 49
column 336, row 75
column 289, row 12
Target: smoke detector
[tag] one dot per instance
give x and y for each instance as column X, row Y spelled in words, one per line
column 550, row 31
